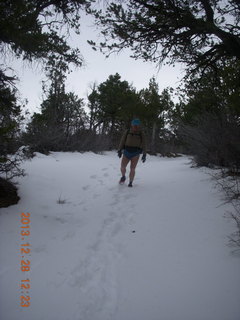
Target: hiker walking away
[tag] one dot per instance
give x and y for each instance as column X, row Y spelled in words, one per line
column 132, row 144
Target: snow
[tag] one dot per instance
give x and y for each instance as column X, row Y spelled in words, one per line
column 103, row 251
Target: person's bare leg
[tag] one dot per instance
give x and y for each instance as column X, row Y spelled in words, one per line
column 133, row 165
column 124, row 164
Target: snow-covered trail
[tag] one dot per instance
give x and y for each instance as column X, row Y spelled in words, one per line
column 157, row 251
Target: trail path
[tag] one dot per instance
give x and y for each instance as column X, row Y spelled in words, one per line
column 101, row 251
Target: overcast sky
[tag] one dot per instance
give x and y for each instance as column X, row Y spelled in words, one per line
column 97, row 69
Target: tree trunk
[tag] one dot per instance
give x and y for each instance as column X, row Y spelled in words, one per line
column 153, row 148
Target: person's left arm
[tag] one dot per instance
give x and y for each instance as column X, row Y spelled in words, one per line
column 144, row 147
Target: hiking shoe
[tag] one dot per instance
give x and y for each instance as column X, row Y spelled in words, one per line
column 122, row 180
column 130, row 184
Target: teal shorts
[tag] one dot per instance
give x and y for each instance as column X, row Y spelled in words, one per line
column 131, row 155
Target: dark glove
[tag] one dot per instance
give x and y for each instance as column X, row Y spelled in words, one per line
column 119, row 153
column 143, row 157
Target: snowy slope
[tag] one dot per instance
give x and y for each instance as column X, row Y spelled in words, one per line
column 157, row 251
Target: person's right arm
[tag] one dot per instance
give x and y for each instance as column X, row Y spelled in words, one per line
column 122, row 141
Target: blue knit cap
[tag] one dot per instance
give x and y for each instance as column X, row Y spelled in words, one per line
column 135, row 122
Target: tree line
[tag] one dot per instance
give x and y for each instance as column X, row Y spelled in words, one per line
column 67, row 123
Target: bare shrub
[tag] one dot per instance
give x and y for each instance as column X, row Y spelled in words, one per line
column 229, row 182
column 10, row 165
column 214, row 139
column 61, row 200
column 8, row 193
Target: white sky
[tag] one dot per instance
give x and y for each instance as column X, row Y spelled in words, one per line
column 97, row 69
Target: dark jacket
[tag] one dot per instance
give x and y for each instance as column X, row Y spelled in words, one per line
column 133, row 141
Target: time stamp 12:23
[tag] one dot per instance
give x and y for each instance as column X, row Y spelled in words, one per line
column 25, row 262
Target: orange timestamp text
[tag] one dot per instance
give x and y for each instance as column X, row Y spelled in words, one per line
column 25, row 264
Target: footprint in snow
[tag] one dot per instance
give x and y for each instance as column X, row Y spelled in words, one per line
column 117, row 227
column 61, row 220
column 114, row 203
column 129, row 196
column 44, row 207
column 39, row 249
column 86, row 187
column 69, row 234
column 115, row 199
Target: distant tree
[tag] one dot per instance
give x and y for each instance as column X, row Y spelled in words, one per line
column 113, row 97
column 113, row 103
column 153, row 109
column 62, row 115
column 198, row 33
column 156, row 106
column 118, row 102
column 94, row 109
column 55, row 127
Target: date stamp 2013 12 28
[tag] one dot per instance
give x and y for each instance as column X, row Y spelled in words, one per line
column 25, row 264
